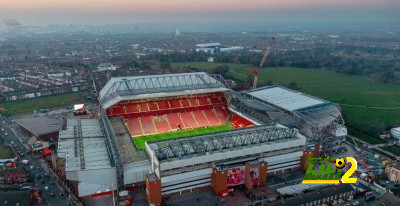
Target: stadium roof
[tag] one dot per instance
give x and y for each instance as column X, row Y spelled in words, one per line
column 83, row 145
column 284, row 98
column 40, row 126
column 219, row 146
column 154, row 86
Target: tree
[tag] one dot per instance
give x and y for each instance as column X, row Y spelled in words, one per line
column 222, row 70
column 166, row 65
column 293, row 85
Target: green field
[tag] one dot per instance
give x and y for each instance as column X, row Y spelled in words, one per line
column 362, row 136
column 139, row 141
column 393, row 149
column 27, row 106
column 5, row 151
column 205, row 65
column 334, row 87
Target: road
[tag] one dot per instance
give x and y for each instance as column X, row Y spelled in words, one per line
column 39, row 171
column 370, row 146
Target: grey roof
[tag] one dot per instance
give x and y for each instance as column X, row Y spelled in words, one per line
column 314, row 196
column 129, row 152
column 83, row 145
column 142, row 87
column 285, row 98
column 205, row 145
column 14, row 197
column 40, row 125
column 391, row 199
column 100, row 201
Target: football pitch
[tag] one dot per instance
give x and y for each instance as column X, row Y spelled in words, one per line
column 140, row 141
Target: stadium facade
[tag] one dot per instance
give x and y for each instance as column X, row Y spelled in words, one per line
column 270, row 130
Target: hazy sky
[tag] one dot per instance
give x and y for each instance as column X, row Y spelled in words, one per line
column 42, row 12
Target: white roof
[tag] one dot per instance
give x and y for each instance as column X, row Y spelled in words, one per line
column 395, row 132
column 208, row 45
column 154, row 86
column 78, row 106
column 89, row 152
column 285, row 98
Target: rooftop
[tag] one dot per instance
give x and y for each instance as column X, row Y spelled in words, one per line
column 129, row 152
column 284, row 98
column 313, row 196
column 83, row 145
column 200, row 149
column 390, row 199
column 14, row 197
column 142, row 87
column 40, row 126
column 216, row 44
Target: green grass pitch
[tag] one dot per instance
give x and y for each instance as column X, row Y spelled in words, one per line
column 140, row 141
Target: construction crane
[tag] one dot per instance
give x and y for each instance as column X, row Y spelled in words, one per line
column 256, row 72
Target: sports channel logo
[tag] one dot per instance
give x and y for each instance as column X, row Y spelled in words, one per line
column 326, row 175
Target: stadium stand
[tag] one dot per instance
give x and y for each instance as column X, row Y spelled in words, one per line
column 152, row 116
column 240, row 122
column 212, row 118
column 161, row 123
column 174, row 121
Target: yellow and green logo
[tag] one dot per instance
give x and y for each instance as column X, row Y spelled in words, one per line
column 326, row 175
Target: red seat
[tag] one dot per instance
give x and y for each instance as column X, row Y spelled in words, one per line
column 221, row 113
column 195, row 111
column 161, row 123
column 163, row 105
column 185, row 102
column 175, row 103
column 203, row 101
column 212, row 118
column 117, row 110
column 143, row 107
column 193, row 102
column 188, row 120
column 131, row 108
column 240, row 122
column 174, row 121
column 147, row 125
column 215, row 101
column 134, row 126
column 201, row 120
column 153, row 106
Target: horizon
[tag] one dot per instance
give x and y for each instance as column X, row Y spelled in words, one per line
column 103, row 12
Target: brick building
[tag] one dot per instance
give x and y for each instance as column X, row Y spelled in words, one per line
column 393, row 173
column 13, row 176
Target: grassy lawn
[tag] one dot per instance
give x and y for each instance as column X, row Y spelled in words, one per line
column 205, row 65
column 365, row 137
column 334, row 87
column 393, row 149
column 5, row 151
column 27, row 106
column 139, row 141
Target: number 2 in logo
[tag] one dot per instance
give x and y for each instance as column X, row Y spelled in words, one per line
column 346, row 177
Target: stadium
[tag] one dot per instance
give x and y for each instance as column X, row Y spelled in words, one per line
column 178, row 132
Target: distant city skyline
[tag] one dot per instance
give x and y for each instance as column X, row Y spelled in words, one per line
column 43, row 12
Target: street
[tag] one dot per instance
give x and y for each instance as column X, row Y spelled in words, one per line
column 40, row 177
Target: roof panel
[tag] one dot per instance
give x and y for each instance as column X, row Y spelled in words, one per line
column 285, row 98
column 185, row 83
